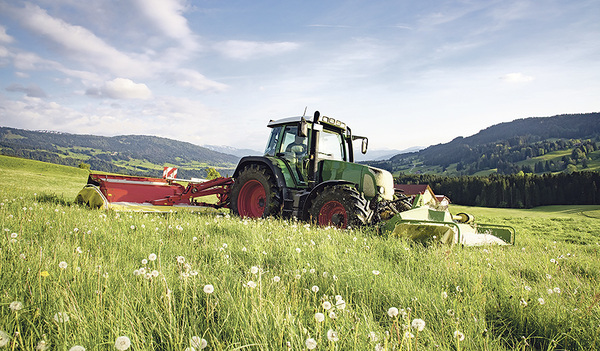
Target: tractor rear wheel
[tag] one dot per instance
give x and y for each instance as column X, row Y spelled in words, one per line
column 341, row 206
column 254, row 193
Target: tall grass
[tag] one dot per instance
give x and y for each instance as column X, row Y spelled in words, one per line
column 144, row 276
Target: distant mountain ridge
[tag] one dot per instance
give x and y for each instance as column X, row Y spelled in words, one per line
column 502, row 146
column 137, row 154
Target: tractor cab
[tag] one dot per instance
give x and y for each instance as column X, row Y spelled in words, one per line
column 305, row 146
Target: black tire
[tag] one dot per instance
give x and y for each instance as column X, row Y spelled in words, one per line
column 341, row 206
column 254, row 193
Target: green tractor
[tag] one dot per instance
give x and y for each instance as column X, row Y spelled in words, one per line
column 308, row 172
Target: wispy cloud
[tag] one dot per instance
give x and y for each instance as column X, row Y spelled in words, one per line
column 121, row 88
column 245, row 50
column 77, row 42
column 167, row 16
column 33, row 90
column 5, row 38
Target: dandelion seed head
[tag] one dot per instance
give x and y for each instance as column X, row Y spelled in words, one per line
column 392, row 312
column 418, row 324
column 319, row 317
column 276, row 279
column 340, row 304
column 254, row 270
column 198, row 342
column 541, row 301
column 315, row 289
column 332, row 335
column 42, row 345
column 373, row 337
column 458, row 335
column 62, row 265
column 326, row 305
column 16, row 306
column 311, row 344
column 251, row 284
column 209, row 289
column 444, row 295
column 155, row 273
column 298, row 250
column 152, row 257
column 180, row 259
column 122, row 343
column 332, row 315
column 376, row 272
column 4, row 338
column 61, row 317
column 557, row 290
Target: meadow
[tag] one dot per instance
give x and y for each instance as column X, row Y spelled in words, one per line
column 78, row 279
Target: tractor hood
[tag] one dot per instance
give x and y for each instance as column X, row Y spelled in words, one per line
column 384, row 183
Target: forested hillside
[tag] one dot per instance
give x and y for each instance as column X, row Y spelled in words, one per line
column 563, row 143
column 133, row 154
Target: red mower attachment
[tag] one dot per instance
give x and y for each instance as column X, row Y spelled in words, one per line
column 107, row 190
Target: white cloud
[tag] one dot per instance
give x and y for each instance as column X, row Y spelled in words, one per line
column 33, row 90
column 516, row 78
column 5, row 38
column 122, row 88
column 167, row 16
column 189, row 78
column 77, row 42
column 244, row 50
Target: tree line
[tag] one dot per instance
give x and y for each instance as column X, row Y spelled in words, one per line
column 515, row 190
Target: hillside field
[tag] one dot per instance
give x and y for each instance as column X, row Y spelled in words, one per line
column 73, row 278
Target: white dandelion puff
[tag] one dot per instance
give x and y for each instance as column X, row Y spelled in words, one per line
column 319, row 317
column 392, row 312
column 458, row 335
column 62, row 265
column 276, row 279
column 418, row 324
column 311, row 344
column 209, row 289
column 61, row 317
column 332, row 315
column 77, row 348
column 332, row 335
column 152, row 257
column 315, row 289
column 4, row 338
column 376, row 272
column 326, row 305
column 122, row 343
column 198, row 342
column 541, row 301
column 16, row 306
column 340, row 304
column 253, row 269
column 251, row 284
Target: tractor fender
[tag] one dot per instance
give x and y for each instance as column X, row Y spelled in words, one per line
column 314, row 191
column 265, row 161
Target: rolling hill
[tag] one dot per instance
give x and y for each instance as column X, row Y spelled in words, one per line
column 132, row 154
column 562, row 143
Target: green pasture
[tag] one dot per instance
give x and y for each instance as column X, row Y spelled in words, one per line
column 70, row 276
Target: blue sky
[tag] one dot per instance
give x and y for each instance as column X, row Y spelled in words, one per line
column 404, row 73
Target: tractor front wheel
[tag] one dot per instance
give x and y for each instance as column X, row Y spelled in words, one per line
column 254, row 193
column 341, row 206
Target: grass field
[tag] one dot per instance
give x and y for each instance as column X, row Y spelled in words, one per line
column 73, row 278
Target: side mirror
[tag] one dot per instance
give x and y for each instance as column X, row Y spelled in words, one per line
column 303, row 128
column 364, row 145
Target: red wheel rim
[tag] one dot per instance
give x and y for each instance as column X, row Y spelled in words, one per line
column 252, row 199
column 333, row 213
